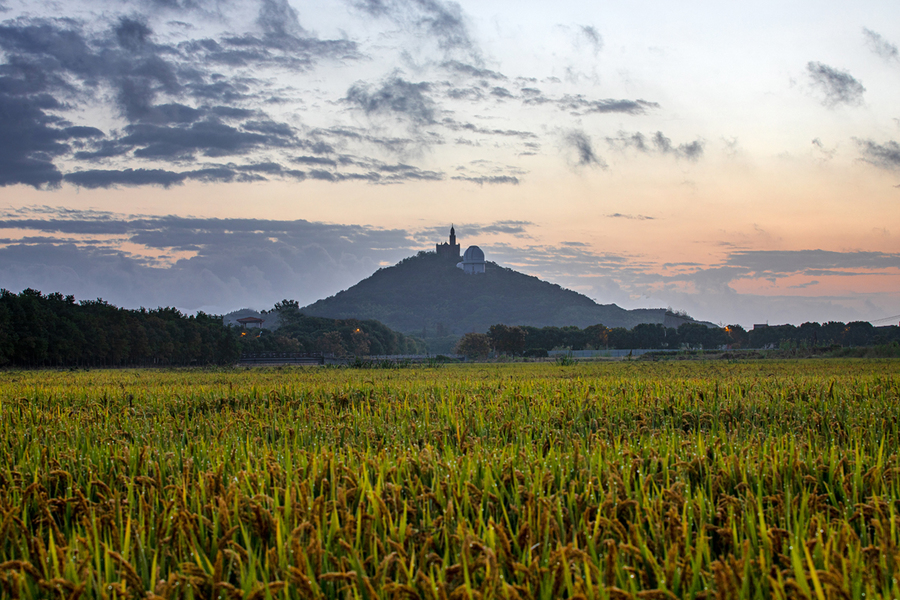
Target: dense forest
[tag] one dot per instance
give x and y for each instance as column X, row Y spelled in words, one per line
column 55, row 330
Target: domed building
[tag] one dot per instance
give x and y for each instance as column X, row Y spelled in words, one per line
column 473, row 261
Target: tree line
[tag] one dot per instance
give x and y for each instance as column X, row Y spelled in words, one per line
column 53, row 330
column 533, row 341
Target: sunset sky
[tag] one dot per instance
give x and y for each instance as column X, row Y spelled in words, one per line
column 741, row 164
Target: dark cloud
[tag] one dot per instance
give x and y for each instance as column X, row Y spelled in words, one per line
column 103, row 149
column 839, row 87
column 278, row 18
column 510, row 227
column 885, row 156
column 656, row 143
column 400, row 173
column 376, row 8
column 470, row 93
column 132, row 35
column 469, row 232
column 231, row 112
column 28, row 143
column 315, row 160
column 785, row 262
column 690, row 151
column 135, row 177
column 456, row 126
column 50, row 58
column 880, row 46
column 396, row 97
column 210, row 138
column 579, row 105
column 471, row 71
column 490, row 179
column 128, row 177
column 443, row 22
column 584, row 151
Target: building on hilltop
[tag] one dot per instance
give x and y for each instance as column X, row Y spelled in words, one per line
column 473, row 261
column 450, row 250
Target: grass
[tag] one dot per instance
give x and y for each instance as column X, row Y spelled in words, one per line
column 591, row 480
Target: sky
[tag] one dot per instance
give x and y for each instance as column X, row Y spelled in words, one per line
column 739, row 163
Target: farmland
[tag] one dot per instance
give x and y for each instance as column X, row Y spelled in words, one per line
column 607, row 480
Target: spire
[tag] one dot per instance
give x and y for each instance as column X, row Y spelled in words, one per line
column 451, row 230
column 453, row 237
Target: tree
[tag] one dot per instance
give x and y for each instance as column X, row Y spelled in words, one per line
column 737, row 336
column 597, row 336
column 474, row 345
column 330, row 343
column 506, row 339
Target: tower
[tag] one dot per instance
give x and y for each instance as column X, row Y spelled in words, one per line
column 449, row 250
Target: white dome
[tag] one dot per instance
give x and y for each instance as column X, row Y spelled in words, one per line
column 473, row 255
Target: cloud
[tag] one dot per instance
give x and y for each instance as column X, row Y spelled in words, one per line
column 232, row 263
column 630, row 217
column 784, row 262
column 396, row 97
column 495, row 179
column 579, row 105
column 162, row 92
column 132, row 34
column 584, row 151
column 457, row 126
column 443, row 22
column 471, row 71
column 592, row 36
column 839, row 87
column 656, row 143
column 692, row 151
column 880, row 46
column 469, row 232
column 211, row 138
column 278, row 18
column 885, row 156
column 29, row 140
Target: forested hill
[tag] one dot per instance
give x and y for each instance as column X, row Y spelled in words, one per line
column 426, row 292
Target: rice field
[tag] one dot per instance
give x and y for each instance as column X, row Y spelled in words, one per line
column 608, row 480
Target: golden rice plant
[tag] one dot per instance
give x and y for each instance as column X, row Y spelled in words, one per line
column 607, row 480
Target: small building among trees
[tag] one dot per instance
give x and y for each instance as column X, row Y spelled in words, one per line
column 251, row 321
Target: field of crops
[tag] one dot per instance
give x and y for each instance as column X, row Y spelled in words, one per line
column 608, row 480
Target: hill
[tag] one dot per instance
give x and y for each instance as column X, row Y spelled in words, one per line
column 428, row 294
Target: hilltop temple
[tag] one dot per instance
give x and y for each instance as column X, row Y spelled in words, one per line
column 472, row 261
